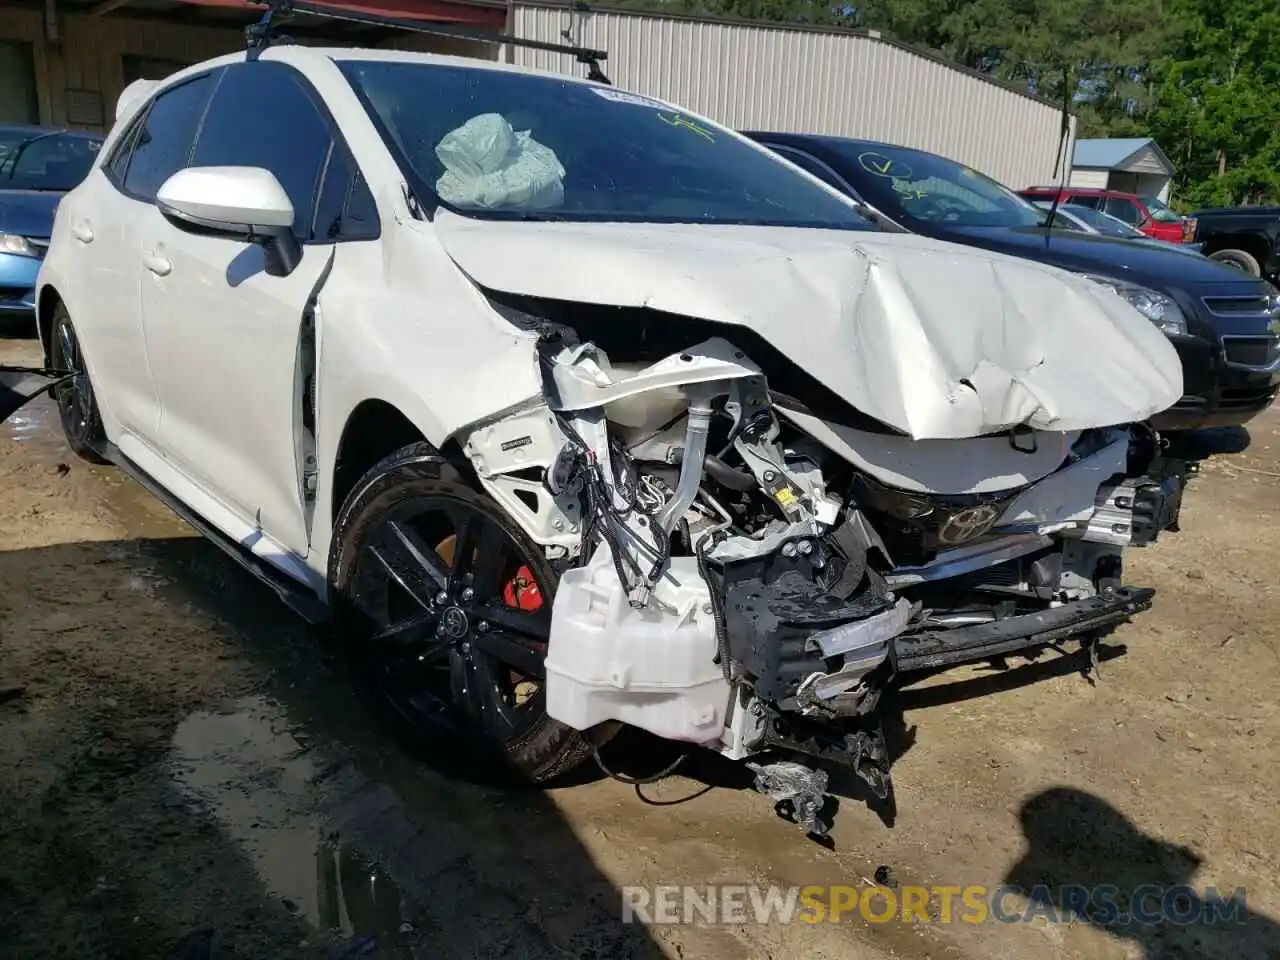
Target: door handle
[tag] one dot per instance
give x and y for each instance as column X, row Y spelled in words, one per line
column 82, row 231
column 156, row 262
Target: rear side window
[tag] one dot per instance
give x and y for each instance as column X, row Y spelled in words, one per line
column 1123, row 209
column 162, row 144
column 1092, row 201
column 261, row 116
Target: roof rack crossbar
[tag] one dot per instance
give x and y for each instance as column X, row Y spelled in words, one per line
column 263, row 33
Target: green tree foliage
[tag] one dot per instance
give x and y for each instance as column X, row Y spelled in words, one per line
column 1216, row 110
column 1200, row 76
column 1094, row 44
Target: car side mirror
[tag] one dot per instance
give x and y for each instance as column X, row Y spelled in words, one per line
column 237, row 203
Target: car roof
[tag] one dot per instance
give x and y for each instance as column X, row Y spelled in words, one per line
column 1084, row 191
column 829, row 142
column 299, row 55
column 35, row 130
column 822, row 138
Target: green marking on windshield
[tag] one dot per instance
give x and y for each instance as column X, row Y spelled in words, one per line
column 675, row 120
column 907, row 191
column 883, row 166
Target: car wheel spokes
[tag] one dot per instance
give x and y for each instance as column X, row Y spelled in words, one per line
column 478, row 692
column 412, row 564
column 416, row 635
column 535, row 625
column 478, row 557
column 67, row 344
column 445, row 581
column 514, row 651
column 75, row 397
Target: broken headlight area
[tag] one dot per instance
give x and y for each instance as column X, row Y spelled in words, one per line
column 752, row 583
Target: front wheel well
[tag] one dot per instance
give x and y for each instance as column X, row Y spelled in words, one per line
column 45, row 307
column 375, row 430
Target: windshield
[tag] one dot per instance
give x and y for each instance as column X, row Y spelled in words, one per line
column 45, row 160
column 918, row 187
column 509, row 145
column 1160, row 211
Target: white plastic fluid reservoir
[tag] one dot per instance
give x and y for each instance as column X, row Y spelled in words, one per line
column 652, row 667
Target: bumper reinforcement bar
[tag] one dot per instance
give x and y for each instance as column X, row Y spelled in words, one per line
column 943, row 648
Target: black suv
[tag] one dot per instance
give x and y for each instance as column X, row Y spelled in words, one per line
column 1225, row 326
column 1247, row 238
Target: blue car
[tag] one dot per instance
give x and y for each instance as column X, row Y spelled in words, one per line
column 37, row 166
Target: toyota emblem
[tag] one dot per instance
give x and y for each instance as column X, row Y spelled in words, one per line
column 968, row 524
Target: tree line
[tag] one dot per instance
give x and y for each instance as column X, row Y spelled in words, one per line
column 1202, row 77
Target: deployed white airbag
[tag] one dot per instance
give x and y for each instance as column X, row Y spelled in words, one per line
column 934, row 339
column 488, row 165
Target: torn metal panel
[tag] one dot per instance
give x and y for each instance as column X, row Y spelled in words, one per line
column 1068, row 494
column 975, row 465
column 935, row 340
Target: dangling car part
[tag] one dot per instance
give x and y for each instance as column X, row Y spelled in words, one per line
column 20, row 385
column 748, row 575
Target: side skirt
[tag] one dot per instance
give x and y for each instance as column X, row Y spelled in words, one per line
column 297, row 596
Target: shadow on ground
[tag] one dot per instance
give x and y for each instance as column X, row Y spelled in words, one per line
column 189, row 775
column 1078, row 842
column 17, row 328
column 1211, row 442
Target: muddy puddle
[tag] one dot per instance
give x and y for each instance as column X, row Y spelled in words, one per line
column 279, row 800
column 36, row 426
column 378, row 856
column 37, row 431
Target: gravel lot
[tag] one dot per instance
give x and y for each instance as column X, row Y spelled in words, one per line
column 178, row 755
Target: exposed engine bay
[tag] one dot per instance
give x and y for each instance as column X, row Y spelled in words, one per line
column 748, row 571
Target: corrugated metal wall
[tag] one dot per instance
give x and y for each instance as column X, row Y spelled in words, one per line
column 774, row 78
column 1089, row 179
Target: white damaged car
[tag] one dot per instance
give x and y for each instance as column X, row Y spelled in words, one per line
column 572, row 409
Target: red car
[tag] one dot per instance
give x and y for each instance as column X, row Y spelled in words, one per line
column 1149, row 214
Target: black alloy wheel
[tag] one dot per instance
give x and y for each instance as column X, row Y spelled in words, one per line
column 77, row 405
column 447, row 615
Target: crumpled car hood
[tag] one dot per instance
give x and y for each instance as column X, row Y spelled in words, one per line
column 933, row 339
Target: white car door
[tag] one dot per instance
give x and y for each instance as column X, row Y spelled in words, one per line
column 102, row 250
column 224, row 337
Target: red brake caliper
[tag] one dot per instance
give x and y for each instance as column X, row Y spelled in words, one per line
column 522, row 591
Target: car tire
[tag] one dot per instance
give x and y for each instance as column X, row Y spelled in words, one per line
column 76, row 400
column 1240, row 260
column 400, row 510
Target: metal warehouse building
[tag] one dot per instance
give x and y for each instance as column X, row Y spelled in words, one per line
column 66, row 61
column 804, row 80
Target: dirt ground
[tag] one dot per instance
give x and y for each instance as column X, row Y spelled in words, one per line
column 182, row 762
